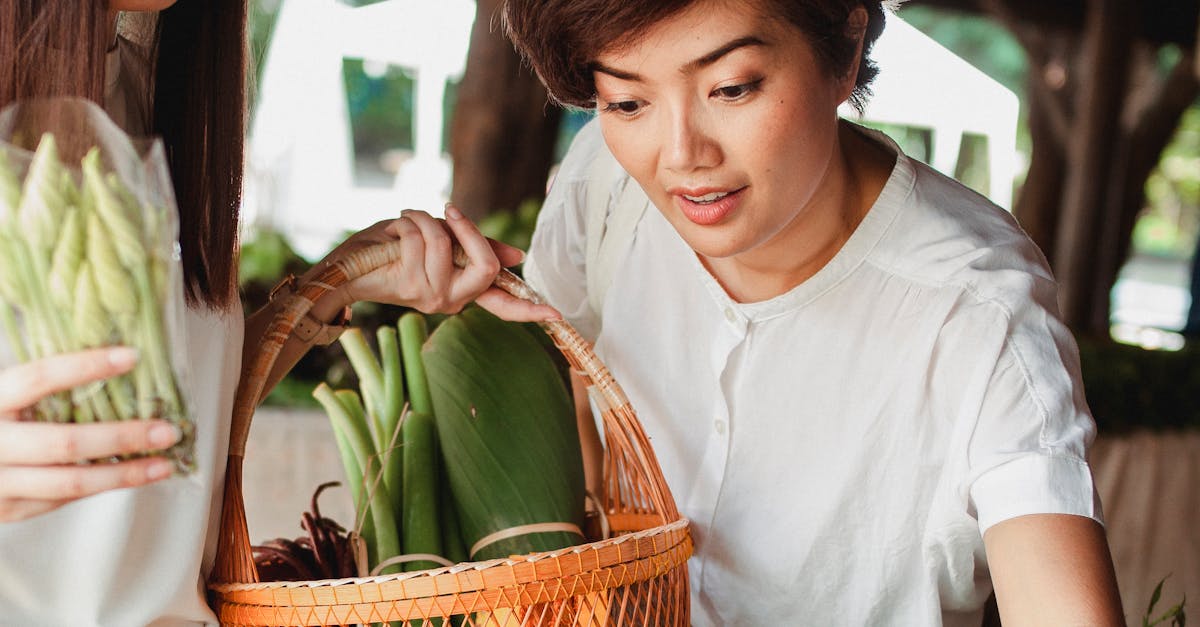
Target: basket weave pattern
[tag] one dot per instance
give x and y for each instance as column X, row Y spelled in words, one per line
column 636, row 577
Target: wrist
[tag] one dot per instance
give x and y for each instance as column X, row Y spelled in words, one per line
column 325, row 319
column 332, row 302
column 329, row 307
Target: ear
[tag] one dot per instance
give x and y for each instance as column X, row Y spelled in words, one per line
column 856, row 29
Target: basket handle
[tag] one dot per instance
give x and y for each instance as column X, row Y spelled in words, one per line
column 630, row 465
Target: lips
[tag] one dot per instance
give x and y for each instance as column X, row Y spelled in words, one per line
column 707, row 206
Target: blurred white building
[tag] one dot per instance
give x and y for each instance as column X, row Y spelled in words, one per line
column 300, row 157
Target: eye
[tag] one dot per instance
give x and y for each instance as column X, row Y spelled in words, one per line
column 733, row 93
column 623, row 107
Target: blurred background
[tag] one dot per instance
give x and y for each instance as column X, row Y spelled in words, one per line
column 1079, row 116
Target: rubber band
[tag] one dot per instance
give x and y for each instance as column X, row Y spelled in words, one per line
column 522, row 530
column 411, row 557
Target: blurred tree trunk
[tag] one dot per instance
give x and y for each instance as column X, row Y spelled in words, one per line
column 1101, row 111
column 503, row 131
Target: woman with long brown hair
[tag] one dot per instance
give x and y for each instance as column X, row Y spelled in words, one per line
column 75, row 548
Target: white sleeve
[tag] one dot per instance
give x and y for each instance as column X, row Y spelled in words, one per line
column 1028, row 449
column 556, row 263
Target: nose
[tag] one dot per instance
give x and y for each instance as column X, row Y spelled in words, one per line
column 688, row 142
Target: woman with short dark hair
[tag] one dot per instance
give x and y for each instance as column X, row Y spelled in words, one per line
column 851, row 367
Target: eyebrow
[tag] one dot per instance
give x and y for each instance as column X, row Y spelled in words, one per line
column 691, row 66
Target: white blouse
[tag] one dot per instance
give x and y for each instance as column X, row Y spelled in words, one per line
column 136, row 556
column 841, row 448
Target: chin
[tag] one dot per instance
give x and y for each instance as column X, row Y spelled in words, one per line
column 712, row 245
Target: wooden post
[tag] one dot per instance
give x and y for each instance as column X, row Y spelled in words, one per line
column 1108, row 33
column 504, row 128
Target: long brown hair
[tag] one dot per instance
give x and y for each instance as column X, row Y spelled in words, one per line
column 198, row 52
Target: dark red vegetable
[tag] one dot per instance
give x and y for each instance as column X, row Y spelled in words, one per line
column 326, row 553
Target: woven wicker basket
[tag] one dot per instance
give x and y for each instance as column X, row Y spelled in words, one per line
column 638, row 576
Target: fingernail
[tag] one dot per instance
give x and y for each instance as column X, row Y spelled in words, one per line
column 453, row 213
column 158, row 469
column 164, row 435
column 122, row 356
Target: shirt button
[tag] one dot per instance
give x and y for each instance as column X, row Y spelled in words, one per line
column 730, row 316
column 719, row 425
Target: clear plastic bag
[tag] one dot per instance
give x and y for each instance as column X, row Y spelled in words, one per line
column 89, row 257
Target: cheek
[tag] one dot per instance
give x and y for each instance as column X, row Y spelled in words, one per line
column 634, row 147
column 795, row 131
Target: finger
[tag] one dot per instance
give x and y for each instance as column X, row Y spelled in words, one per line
column 36, row 443
column 412, row 247
column 13, row 510
column 25, row 384
column 509, row 307
column 484, row 265
column 439, row 250
column 56, row 483
column 508, row 255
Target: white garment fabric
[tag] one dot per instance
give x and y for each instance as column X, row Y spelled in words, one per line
column 841, row 448
column 134, row 557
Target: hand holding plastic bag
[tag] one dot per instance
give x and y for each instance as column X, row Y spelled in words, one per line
column 44, row 466
column 89, row 248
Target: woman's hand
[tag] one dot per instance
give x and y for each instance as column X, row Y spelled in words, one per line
column 41, row 465
column 425, row 277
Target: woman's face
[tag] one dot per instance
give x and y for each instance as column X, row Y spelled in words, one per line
column 728, row 122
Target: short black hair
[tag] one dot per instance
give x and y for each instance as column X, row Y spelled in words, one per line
column 560, row 39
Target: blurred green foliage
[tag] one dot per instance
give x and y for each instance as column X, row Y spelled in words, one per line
column 380, row 102
column 266, row 258
column 1170, row 223
column 1130, row 388
column 514, row 228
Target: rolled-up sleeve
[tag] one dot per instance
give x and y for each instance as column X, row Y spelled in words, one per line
column 1028, row 450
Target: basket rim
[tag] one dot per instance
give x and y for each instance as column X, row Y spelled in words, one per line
column 681, row 524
